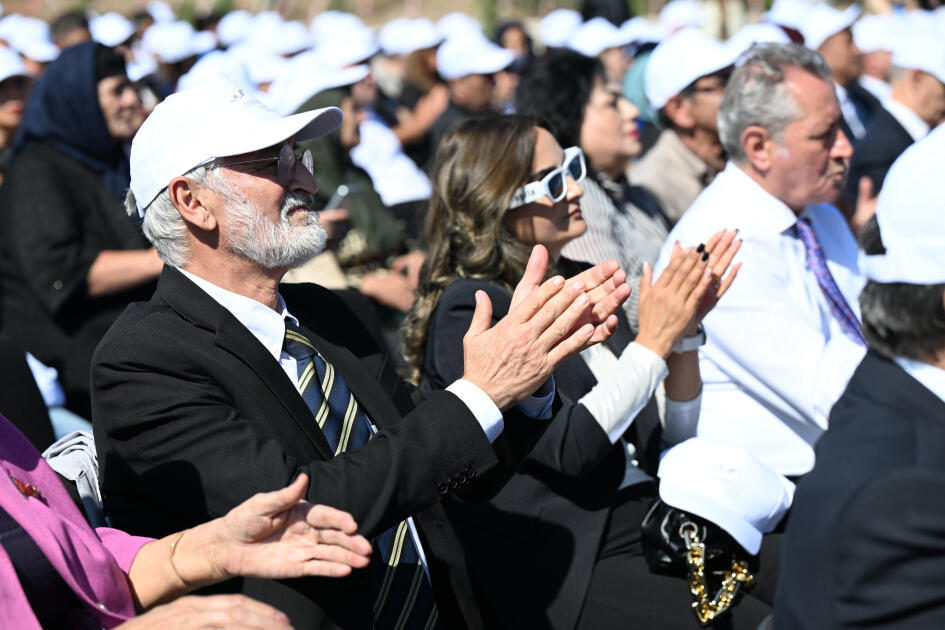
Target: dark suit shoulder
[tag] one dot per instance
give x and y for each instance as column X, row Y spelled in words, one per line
column 325, row 312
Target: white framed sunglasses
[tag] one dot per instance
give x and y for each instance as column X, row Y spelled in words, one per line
column 286, row 163
column 554, row 185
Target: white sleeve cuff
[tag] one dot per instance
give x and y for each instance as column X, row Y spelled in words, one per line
column 481, row 406
column 681, row 419
column 621, row 392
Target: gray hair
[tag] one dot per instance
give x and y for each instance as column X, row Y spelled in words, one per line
column 163, row 225
column 901, row 319
column 757, row 93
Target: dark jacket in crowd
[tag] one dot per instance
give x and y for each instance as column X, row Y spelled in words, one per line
column 885, row 140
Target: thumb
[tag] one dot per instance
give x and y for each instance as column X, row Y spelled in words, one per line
column 281, row 500
column 535, row 271
column 646, row 280
column 865, row 188
column 482, row 316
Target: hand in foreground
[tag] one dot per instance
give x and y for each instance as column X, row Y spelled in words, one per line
column 668, row 306
column 278, row 535
column 605, row 287
column 233, row 612
column 545, row 325
column 721, row 248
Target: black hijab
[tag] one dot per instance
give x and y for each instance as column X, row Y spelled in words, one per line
column 64, row 112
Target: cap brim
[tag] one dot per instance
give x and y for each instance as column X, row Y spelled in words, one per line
column 685, row 498
column 300, row 127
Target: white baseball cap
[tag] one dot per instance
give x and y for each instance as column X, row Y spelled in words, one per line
column 679, row 14
column 681, row 59
column 556, row 28
column 462, row 56
column 823, row 22
column 909, row 214
column 161, row 11
column 11, row 65
column 921, row 52
column 404, row 35
column 458, row 24
column 751, row 34
column 214, row 119
column 234, row 27
column 597, row 35
column 111, row 29
column 875, row 32
column 641, row 30
column 726, row 485
column 790, row 13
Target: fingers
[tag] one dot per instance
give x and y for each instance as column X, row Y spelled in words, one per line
column 482, row 316
column 329, row 518
column 598, row 274
column 865, row 188
column 269, row 503
column 687, row 271
column 571, row 344
column 727, row 281
column 554, row 329
column 607, row 297
column 535, row 271
column 233, row 612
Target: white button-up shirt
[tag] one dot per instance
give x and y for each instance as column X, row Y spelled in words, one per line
column 776, row 358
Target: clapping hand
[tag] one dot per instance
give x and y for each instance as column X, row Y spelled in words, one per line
column 721, row 249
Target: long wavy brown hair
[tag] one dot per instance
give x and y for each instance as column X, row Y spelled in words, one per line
column 478, row 167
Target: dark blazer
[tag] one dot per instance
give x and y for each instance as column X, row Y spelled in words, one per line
column 20, row 399
column 533, row 547
column 192, row 415
column 885, row 140
column 866, row 105
column 865, row 544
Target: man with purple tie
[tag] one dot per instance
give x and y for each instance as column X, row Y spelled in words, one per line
column 781, row 349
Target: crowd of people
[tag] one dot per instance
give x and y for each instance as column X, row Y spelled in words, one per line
column 591, row 321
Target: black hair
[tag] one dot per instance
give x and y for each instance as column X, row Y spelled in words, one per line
column 616, row 11
column 68, row 22
column 557, row 90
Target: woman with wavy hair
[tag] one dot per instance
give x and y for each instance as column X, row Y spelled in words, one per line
column 559, row 545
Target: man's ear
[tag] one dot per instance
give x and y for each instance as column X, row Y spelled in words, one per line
column 679, row 111
column 758, row 145
column 190, row 200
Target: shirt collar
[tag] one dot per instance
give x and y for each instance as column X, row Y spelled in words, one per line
column 910, row 121
column 265, row 324
column 840, row 91
column 931, row 377
column 764, row 209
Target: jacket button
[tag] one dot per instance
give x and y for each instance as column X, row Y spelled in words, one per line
column 57, row 285
column 442, row 488
column 439, row 523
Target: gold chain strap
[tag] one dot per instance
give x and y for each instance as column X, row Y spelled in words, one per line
column 706, row 610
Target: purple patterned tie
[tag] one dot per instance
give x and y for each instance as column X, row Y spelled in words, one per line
column 818, row 264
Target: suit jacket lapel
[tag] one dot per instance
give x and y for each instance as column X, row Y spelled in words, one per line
column 231, row 336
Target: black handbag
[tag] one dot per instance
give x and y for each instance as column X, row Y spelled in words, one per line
column 676, row 542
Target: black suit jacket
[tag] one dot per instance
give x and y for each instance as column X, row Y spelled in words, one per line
column 865, row 544
column 192, row 415
column 885, row 141
column 533, row 547
column 867, row 106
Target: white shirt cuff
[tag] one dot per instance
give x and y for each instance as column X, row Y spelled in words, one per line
column 481, row 406
column 538, row 405
column 624, row 386
column 681, row 419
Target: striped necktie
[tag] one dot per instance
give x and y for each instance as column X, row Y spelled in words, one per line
column 403, row 598
column 817, row 263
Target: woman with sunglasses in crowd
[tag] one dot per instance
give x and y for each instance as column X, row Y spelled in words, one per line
column 559, row 546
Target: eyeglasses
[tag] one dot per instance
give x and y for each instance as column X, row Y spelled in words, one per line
column 554, row 185
column 286, row 163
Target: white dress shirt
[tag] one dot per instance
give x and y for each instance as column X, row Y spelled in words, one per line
column 857, row 126
column 268, row 326
column 877, row 87
column 776, row 358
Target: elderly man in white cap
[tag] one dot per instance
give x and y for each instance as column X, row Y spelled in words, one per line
column 226, row 382
column 865, row 545
column 783, row 345
column 916, row 105
column 829, row 32
column 685, row 78
column 468, row 63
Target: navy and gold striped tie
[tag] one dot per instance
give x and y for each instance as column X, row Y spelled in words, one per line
column 403, row 596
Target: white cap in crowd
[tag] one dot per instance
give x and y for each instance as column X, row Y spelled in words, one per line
column 161, row 11
column 823, row 21
column 921, row 52
column 458, row 57
column 556, row 28
column 790, row 13
column 909, row 214
column 29, row 36
column 667, row 75
column 597, row 35
column 458, row 24
column 751, row 34
column 331, row 24
column 405, row 35
column 111, row 29
column 305, row 76
column 234, row 27
column 726, row 485
column 11, row 65
column 196, row 125
column 354, row 46
column 171, row 42
column 640, row 30
column 214, row 63
column 875, row 32
column 679, row 14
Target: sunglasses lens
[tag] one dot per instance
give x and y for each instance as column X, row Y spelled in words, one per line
column 556, row 186
column 575, row 168
column 285, row 167
column 308, row 161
